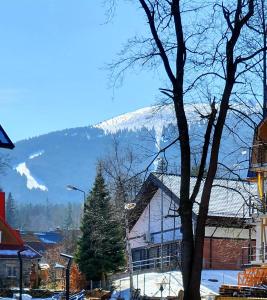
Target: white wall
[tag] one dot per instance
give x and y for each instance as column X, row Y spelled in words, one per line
column 141, row 228
column 234, row 233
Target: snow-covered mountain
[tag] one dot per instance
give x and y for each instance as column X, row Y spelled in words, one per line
column 42, row 166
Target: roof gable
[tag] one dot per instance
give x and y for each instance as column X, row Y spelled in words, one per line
column 229, row 198
column 9, row 236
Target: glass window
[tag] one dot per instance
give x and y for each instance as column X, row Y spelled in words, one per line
column 11, row 271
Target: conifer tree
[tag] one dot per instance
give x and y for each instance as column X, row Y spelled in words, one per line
column 68, row 222
column 101, row 248
column 11, row 215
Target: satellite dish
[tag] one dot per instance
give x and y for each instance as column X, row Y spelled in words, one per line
column 5, row 141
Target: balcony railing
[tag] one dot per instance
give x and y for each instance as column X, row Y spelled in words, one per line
column 258, row 156
column 167, row 262
column 254, row 255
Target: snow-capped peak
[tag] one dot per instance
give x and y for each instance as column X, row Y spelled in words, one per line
column 153, row 117
column 144, row 117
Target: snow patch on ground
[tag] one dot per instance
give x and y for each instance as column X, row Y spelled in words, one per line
column 36, row 154
column 213, row 279
column 149, row 283
column 31, row 181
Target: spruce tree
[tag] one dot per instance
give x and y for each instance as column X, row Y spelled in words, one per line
column 68, row 222
column 11, row 213
column 100, row 248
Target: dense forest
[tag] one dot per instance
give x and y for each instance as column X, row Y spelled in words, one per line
column 42, row 216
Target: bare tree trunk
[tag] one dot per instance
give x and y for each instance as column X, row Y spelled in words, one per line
column 236, row 17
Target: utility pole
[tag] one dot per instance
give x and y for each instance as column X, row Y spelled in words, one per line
column 128, row 248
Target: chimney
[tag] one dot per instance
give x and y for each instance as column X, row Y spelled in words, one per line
column 2, row 206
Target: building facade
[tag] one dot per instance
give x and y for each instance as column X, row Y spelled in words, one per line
column 10, row 244
column 155, row 226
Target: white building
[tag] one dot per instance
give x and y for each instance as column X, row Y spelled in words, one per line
column 155, row 234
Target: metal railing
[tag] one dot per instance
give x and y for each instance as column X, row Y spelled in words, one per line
column 254, row 254
column 258, row 155
column 155, row 262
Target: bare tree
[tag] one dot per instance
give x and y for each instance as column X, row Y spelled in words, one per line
column 120, row 168
column 203, row 48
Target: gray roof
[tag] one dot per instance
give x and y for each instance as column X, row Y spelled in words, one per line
column 229, row 198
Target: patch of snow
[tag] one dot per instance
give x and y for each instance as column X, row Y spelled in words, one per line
column 154, row 117
column 26, row 253
column 213, row 279
column 59, row 266
column 24, row 296
column 148, row 117
column 149, row 285
column 34, row 155
column 44, row 240
column 31, row 181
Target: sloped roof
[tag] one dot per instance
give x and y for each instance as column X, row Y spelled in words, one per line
column 33, row 241
column 12, row 236
column 7, row 251
column 50, row 237
column 229, row 198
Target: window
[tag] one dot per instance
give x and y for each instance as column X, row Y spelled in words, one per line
column 11, row 271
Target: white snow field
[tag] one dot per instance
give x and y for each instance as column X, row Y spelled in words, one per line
column 32, row 183
column 149, row 283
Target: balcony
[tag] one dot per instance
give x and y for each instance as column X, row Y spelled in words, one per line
column 254, row 256
column 258, row 157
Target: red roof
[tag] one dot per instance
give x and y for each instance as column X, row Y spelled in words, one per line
column 14, row 233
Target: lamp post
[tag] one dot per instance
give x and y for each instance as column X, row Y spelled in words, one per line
column 69, row 257
column 74, row 188
column 20, row 273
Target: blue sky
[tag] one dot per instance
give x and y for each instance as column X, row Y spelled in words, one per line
column 52, row 65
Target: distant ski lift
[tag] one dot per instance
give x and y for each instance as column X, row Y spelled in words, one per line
column 5, row 141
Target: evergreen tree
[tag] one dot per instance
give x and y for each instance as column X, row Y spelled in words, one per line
column 101, row 248
column 11, row 213
column 68, row 222
column 162, row 166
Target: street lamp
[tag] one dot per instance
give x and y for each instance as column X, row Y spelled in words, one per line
column 67, row 288
column 74, row 188
column 20, row 273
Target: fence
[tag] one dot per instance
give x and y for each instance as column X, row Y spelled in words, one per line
column 167, row 262
column 254, row 254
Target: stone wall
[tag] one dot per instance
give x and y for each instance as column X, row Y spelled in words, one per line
column 12, row 280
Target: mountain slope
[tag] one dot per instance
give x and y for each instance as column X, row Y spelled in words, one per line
column 42, row 166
